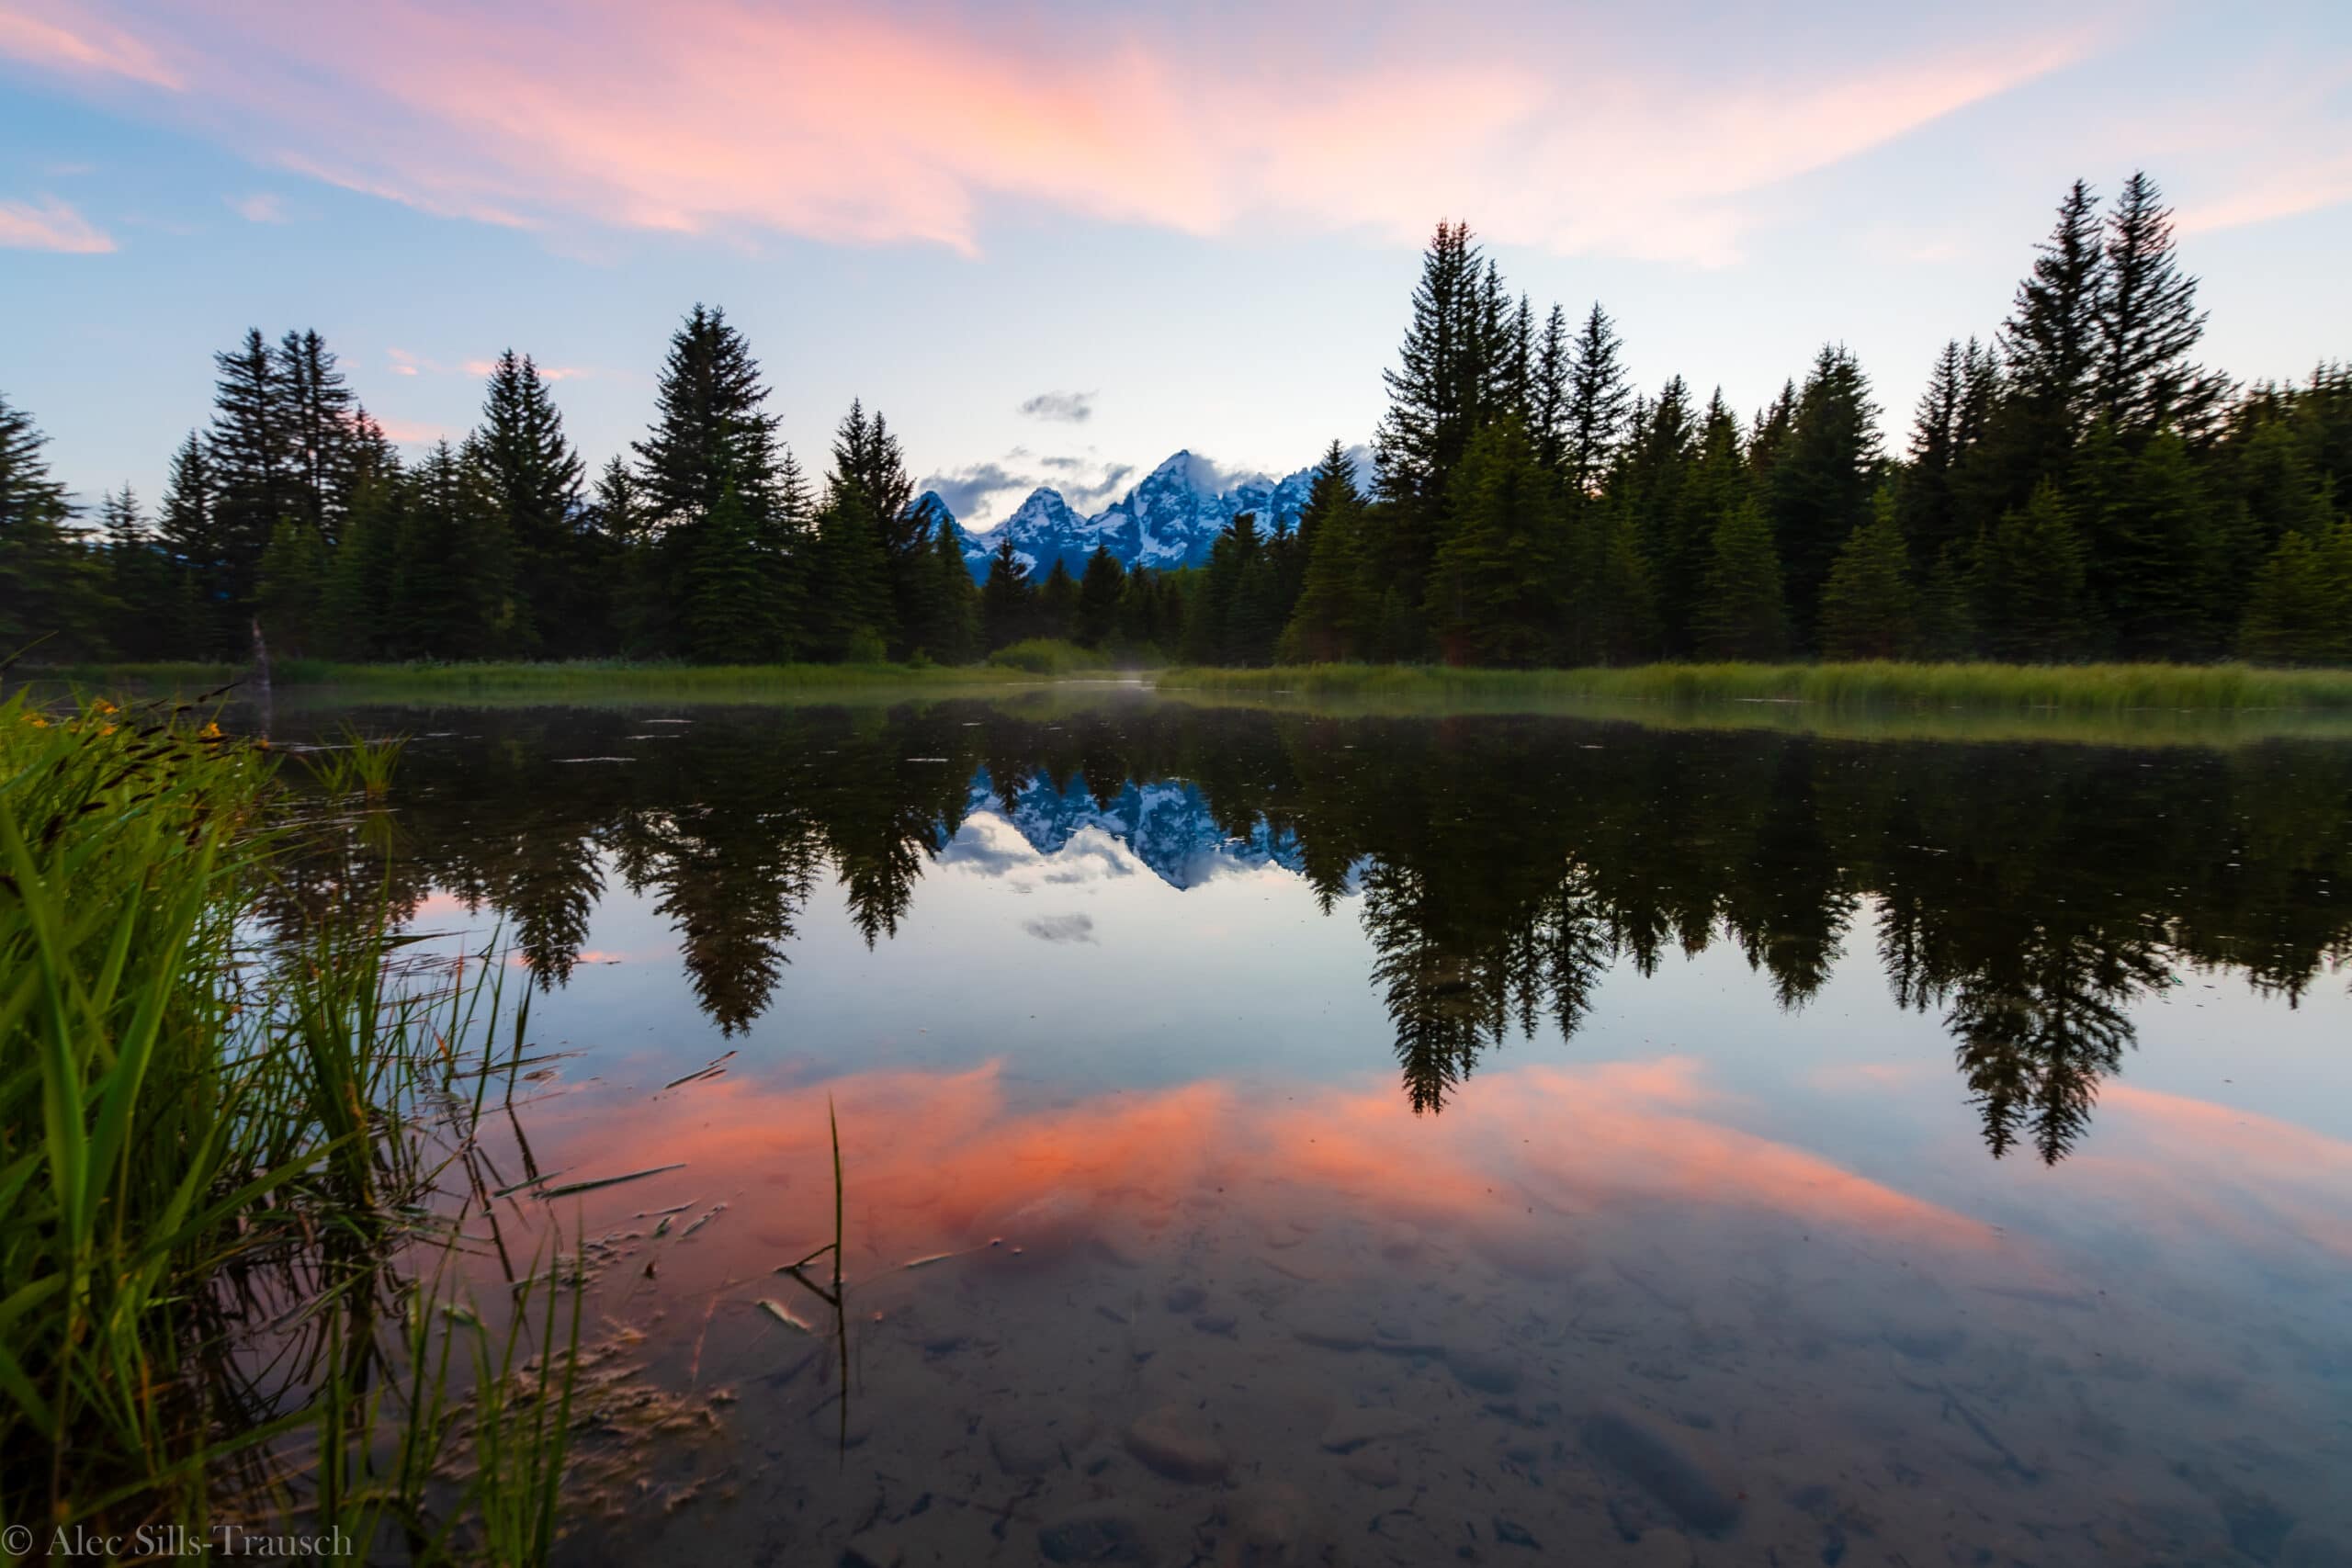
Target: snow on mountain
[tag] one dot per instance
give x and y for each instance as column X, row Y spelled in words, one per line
column 1168, row 520
column 1166, row 822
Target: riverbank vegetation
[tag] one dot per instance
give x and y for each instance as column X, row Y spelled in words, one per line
column 2084, row 688
column 226, row 1144
column 2074, row 486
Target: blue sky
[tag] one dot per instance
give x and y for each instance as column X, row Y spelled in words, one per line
column 1201, row 221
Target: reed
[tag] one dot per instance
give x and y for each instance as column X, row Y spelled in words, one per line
column 220, row 1157
column 2077, row 688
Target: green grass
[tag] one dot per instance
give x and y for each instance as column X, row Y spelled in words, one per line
column 2016, row 687
column 1021, row 662
column 1050, row 656
column 221, row 1156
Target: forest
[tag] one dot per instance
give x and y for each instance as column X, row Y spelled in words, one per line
column 2073, row 485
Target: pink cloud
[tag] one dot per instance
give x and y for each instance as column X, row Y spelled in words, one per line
column 872, row 125
column 86, row 46
column 50, row 226
column 549, row 372
column 260, row 208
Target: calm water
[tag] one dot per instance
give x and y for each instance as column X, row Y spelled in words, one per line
column 1409, row 1140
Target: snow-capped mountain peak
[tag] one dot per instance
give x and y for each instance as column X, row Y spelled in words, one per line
column 1170, row 519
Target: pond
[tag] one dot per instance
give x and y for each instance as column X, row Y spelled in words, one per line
column 1274, row 1138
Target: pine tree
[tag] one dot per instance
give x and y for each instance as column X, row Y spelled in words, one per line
column 2051, row 342
column 1947, row 618
column 148, row 617
column 1431, row 403
column 723, row 617
column 951, row 632
column 292, row 592
column 534, row 477
column 1057, row 608
column 2300, row 609
column 711, row 429
column 870, row 482
column 1007, row 602
column 1598, row 393
column 1547, row 392
column 1494, row 595
column 2148, row 320
column 2152, row 544
column 852, row 602
column 252, row 454
column 188, row 529
column 1742, row 610
column 1099, row 592
column 362, row 578
column 1868, row 609
column 452, row 594
column 2030, row 584
column 1327, row 623
column 53, row 590
column 318, row 413
column 1822, row 483
column 1716, row 481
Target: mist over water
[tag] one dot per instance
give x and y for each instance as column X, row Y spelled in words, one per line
column 1384, row 1139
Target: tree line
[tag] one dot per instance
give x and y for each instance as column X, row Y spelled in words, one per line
column 2074, row 486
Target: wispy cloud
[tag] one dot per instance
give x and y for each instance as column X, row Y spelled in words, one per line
column 547, row 372
column 1065, row 408
column 409, row 432
column 981, row 495
column 730, row 120
column 85, row 46
column 262, row 207
column 50, row 225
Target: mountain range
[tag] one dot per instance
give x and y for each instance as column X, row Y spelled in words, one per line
column 1167, row 823
column 1170, row 519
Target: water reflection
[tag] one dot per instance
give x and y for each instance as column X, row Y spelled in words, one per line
column 2024, row 894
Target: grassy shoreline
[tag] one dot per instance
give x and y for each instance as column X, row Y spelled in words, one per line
column 237, row 1162
column 2012, row 688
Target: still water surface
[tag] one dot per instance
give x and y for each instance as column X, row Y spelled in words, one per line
column 1419, row 1140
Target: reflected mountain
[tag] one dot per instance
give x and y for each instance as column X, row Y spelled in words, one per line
column 2025, row 894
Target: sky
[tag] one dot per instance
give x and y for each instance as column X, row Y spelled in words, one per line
column 1055, row 241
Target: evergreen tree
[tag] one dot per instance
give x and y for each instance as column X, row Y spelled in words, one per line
column 870, row 489
column 149, row 616
column 725, row 620
column 2050, row 342
column 711, row 429
column 1057, row 609
column 188, row 530
column 2030, row 584
column 1007, row 602
column 452, row 596
column 362, row 578
column 251, row 455
column 1947, row 618
column 2152, row 543
column 1433, row 391
column 1099, row 592
column 1494, row 596
column 1598, row 393
column 2148, row 320
column 320, row 427
column 1823, row 481
column 53, row 590
column 1868, row 609
column 534, row 477
column 1547, row 392
column 1742, row 610
column 951, row 632
column 1326, row 624
column 292, row 592
column 850, row 608
column 2299, row 610
column 1716, row 481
